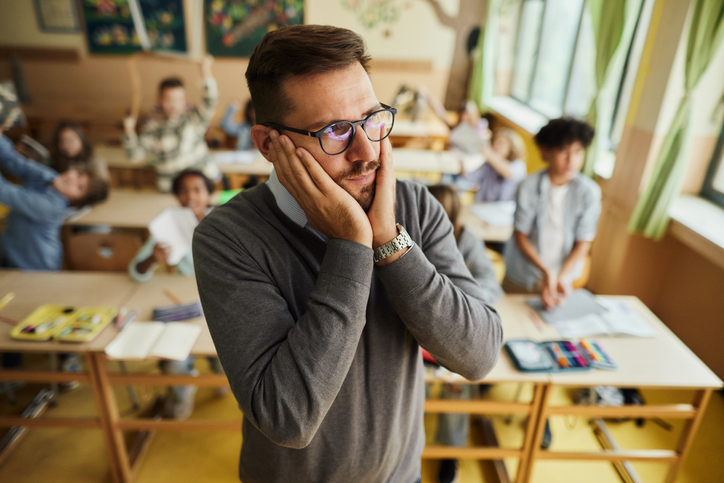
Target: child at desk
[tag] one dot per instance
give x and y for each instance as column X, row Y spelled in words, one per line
column 453, row 428
column 240, row 130
column 72, row 150
column 504, row 167
column 556, row 216
column 31, row 240
column 174, row 135
column 193, row 190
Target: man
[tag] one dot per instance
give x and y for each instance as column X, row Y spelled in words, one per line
column 319, row 341
column 173, row 137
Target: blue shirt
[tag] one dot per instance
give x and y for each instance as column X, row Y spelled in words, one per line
column 583, row 207
column 241, row 130
column 31, row 240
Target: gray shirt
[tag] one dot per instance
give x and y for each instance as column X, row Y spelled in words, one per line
column 321, row 347
column 583, row 207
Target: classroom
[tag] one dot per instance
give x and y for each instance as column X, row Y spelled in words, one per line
column 500, row 260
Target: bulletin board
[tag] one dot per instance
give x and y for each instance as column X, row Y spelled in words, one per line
column 110, row 30
column 235, row 27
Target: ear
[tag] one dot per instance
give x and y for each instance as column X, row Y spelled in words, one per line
column 261, row 139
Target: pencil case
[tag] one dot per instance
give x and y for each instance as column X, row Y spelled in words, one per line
column 548, row 356
column 64, row 323
column 595, row 354
column 176, row 313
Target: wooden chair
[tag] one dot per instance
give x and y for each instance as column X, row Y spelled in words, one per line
column 101, row 251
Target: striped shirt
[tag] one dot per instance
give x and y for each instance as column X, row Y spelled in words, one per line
column 174, row 145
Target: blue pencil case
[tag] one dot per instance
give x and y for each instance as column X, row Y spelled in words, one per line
column 548, row 356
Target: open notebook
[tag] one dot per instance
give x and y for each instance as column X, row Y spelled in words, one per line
column 154, row 340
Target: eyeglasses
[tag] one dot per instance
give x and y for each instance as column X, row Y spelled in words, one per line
column 335, row 138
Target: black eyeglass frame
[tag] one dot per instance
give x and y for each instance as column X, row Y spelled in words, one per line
column 363, row 122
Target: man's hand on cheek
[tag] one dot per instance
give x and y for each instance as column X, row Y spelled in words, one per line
column 329, row 208
column 382, row 212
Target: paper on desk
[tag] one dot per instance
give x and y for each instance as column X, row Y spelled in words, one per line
column 142, row 340
column 499, row 213
column 579, row 304
column 618, row 320
column 235, row 157
column 174, row 226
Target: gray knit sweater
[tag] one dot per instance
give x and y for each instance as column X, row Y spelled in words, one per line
column 321, row 347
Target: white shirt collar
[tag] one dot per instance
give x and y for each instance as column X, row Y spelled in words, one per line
column 286, row 201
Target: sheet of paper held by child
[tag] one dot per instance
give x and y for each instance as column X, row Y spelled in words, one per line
column 584, row 315
column 11, row 115
column 175, row 227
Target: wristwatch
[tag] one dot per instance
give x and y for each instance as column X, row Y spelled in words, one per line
column 402, row 240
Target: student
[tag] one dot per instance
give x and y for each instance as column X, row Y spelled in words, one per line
column 556, row 216
column 504, row 167
column 174, row 135
column 193, row 190
column 453, row 428
column 31, row 240
column 72, row 150
column 241, row 130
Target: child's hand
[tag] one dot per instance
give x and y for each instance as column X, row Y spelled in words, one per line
column 550, row 295
column 129, row 124
column 161, row 252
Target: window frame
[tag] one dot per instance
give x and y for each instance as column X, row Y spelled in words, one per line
column 717, row 162
column 531, row 81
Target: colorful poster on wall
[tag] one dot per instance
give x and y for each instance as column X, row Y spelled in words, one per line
column 110, row 28
column 235, row 27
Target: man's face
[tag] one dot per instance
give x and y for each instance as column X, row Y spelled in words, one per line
column 72, row 184
column 341, row 95
column 565, row 162
column 172, row 101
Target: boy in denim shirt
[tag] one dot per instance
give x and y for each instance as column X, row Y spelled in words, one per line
column 556, row 216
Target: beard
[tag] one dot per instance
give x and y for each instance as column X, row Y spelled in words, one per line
column 366, row 195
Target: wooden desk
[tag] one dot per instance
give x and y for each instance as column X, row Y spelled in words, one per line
column 660, row 362
column 127, row 209
column 483, row 230
column 425, row 133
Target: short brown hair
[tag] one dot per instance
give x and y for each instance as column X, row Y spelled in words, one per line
column 293, row 51
column 97, row 190
column 169, row 83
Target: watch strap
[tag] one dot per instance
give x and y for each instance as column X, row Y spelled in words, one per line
column 400, row 242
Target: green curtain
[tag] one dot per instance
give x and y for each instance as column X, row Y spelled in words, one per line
column 651, row 215
column 608, row 18
column 482, row 81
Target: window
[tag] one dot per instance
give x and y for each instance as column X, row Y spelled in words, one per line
column 714, row 184
column 554, row 72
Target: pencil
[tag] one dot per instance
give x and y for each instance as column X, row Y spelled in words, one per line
column 172, row 296
column 6, row 299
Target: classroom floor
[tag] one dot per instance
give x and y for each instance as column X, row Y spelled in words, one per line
column 63, row 455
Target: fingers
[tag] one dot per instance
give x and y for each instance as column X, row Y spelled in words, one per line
column 292, row 172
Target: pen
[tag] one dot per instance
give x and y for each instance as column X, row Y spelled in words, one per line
column 575, row 354
column 121, row 315
column 129, row 318
column 172, row 296
column 591, row 350
column 562, row 360
column 6, row 299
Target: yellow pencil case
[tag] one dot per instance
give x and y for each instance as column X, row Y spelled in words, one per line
column 64, row 323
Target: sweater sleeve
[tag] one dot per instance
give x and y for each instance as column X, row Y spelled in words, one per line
column 227, row 122
column 439, row 301
column 285, row 368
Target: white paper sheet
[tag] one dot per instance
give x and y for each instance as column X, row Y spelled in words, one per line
column 175, row 226
column 499, row 213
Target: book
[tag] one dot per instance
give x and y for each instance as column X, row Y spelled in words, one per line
column 154, row 340
column 174, row 226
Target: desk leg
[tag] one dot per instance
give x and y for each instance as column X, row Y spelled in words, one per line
column 701, row 399
column 534, row 432
column 109, row 416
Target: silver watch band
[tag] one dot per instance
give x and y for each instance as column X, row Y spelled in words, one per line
column 401, row 241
